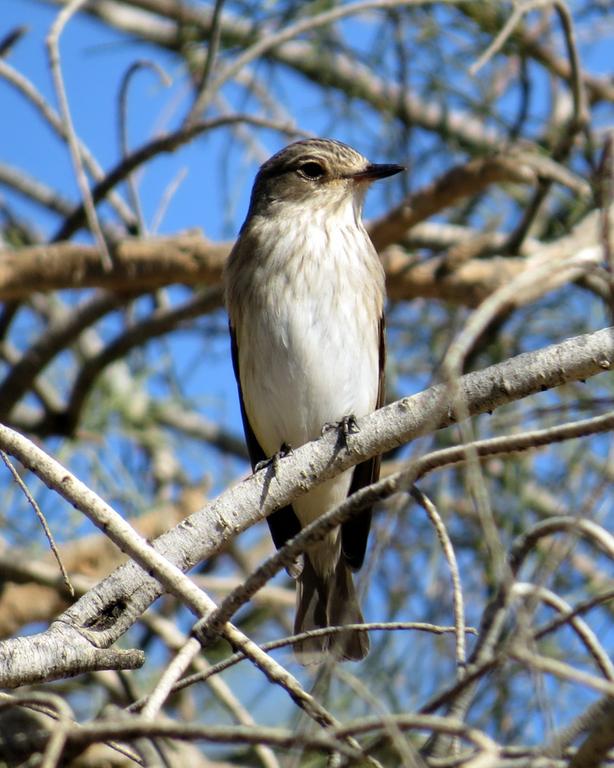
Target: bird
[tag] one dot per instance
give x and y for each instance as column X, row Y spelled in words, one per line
column 305, row 295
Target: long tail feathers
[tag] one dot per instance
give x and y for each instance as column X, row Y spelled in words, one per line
column 325, row 602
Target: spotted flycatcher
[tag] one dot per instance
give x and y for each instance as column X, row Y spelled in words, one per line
column 305, row 297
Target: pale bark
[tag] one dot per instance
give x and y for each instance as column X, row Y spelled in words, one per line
column 107, row 611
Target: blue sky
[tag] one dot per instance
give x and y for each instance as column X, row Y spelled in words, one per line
column 95, row 60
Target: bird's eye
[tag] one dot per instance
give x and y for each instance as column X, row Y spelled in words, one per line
column 311, row 170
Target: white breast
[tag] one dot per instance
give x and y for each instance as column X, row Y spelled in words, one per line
column 309, row 345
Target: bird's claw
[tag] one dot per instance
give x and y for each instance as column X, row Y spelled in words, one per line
column 346, row 426
column 273, row 461
column 349, row 425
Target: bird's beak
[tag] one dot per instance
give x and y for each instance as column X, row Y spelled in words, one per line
column 376, row 171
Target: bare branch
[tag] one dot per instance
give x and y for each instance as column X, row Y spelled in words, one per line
column 54, row 339
column 42, row 520
column 600, row 737
column 586, row 635
column 341, row 72
column 239, row 508
column 123, row 127
column 19, row 181
column 27, row 89
column 153, row 562
column 457, row 590
column 192, row 260
column 165, row 143
column 53, row 46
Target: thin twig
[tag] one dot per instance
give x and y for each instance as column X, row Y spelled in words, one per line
column 399, row 481
column 123, row 128
column 290, row 640
column 47, row 704
column 168, row 631
column 275, row 39
column 457, row 591
column 56, row 336
column 484, row 655
column 54, row 121
column 576, row 123
column 166, row 199
column 157, row 324
column 57, row 740
column 180, row 662
column 53, row 40
column 422, row 722
column 203, row 95
column 342, row 72
column 165, row 143
column 590, row 530
column 136, row 727
column 581, row 628
column 506, row 31
column 391, row 733
column 560, row 669
column 581, row 607
column 28, row 186
column 42, row 521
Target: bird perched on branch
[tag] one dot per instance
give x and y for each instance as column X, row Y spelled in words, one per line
column 305, row 296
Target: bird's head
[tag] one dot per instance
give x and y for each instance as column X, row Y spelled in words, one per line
column 320, row 173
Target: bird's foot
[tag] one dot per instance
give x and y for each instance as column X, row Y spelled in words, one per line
column 345, row 427
column 273, row 461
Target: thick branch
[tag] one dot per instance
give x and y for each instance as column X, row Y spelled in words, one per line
column 108, row 610
column 34, row 591
column 468, row 180
column 189, row 259
column 144, row 264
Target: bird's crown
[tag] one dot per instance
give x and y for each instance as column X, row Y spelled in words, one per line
column 315, row 159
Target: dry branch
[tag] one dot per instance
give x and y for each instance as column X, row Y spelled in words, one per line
column 138, row 265
column 33, row 591
column 129, row 591
column 189, row 259
column 163, row 23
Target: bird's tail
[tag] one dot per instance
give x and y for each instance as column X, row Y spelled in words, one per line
column 328, row 601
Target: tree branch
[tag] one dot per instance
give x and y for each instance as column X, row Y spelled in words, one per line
column 190, row 259
column 122, row 597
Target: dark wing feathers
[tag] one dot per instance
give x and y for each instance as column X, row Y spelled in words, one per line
column 355, row 532
column 256, row 454
column 283, row 523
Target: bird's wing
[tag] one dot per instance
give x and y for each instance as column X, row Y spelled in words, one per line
column 355, row 532
column 283, row 523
